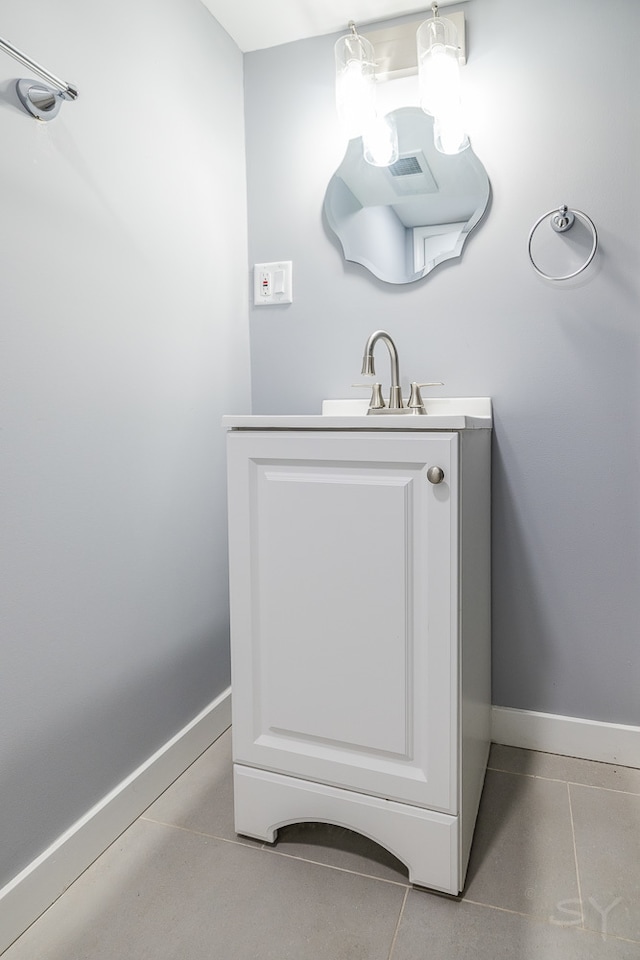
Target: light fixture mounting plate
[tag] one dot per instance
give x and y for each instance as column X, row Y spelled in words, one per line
column 395, row 47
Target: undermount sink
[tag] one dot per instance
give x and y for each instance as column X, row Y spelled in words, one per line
column 442, row 413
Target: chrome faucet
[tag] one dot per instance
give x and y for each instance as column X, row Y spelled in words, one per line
column 369, row 368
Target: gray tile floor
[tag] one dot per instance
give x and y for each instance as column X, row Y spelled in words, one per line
column 554, row 875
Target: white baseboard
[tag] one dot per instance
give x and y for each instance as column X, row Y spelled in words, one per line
column 36, row 887
column 568, row 736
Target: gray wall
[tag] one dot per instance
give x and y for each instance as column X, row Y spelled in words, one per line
column 553, row 105
column 124, row 340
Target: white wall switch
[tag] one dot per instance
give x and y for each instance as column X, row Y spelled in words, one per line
column 273, row 283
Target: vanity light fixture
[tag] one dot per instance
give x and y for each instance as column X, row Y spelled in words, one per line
column 435, row 54
column 41, row 100
column 439, row 79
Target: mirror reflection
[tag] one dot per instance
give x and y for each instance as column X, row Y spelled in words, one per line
column 403, row 220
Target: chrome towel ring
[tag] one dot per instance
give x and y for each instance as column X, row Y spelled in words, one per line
column 562, row 220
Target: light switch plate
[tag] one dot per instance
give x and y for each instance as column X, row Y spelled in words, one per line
column 273, row 283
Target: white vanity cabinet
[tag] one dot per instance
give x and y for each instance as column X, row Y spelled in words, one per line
column 360, row 634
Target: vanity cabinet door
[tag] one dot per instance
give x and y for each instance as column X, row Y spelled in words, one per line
column 343, row 566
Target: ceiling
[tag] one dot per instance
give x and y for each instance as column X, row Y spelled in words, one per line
column 255, row 24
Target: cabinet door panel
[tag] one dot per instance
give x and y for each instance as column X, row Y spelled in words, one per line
column 335, row 645
column 342, row 610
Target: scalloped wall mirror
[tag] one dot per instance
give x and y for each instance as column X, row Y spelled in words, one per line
column 403, row 220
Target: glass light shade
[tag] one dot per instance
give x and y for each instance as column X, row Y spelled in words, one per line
column 355, row 84
column 380, row 142
column 440, row 87
column 449, row 134
column 438, row 66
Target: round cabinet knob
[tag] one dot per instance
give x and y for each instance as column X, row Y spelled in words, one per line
column 435, row 474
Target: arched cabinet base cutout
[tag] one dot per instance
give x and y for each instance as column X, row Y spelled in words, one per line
column 426, row 841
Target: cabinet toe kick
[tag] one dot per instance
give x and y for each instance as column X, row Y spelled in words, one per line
column 425, row 841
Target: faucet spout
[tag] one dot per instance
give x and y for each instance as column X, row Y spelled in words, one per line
column 369, row 369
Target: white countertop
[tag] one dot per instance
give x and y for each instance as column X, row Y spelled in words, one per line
column 443, row 413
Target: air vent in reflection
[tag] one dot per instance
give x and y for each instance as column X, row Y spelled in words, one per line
column 405, row 167
column 410, row 176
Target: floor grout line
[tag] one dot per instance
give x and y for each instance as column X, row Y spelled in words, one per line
column 267, row 848
column 594, row 786
column 201, row 833
column 396, row 931
column 331, row 866
column 610, row 936
column 536, row 918
column 567, row 756
column 517, row 913
column 574, row 783
column 575, row 856
column 530, row 776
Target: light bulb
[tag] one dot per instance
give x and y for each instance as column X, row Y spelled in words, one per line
column 440, row 87
column 440, row 81
column 355, row 83
column 380, row 142
column 449, row 134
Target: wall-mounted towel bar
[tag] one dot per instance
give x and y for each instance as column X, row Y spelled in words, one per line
column 41, row 101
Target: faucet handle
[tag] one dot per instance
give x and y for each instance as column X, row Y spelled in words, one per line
column 377, row 400
column 415, row 397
